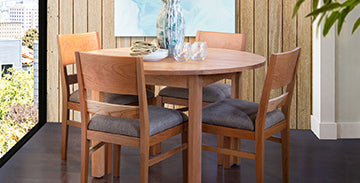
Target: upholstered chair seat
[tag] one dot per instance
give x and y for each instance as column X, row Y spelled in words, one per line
column 240, row 114
column 211, row 93
column 160, row 119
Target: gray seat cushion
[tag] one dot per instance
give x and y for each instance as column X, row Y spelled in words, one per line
column 236, row 113
column 160, row 119
column 211, row 93
column 112, row 98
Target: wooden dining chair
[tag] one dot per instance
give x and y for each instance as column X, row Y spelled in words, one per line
column 138, row 126
column 67, row 45
column 213, row 92
column 259, row 122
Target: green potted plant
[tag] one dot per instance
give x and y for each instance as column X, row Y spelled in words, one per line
column 330, row 12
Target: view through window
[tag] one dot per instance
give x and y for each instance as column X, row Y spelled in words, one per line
column 19, row 70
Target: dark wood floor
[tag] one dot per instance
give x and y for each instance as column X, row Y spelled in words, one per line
column 311, row 161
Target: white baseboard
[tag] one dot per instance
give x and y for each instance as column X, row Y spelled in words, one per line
column 335, row 130
column 324, row 130
column 315, row 126
column 348, row 130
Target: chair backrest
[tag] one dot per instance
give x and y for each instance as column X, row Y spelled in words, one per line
column 112, row 74
column 67, row 45
column 281, row 73
column 233, row 41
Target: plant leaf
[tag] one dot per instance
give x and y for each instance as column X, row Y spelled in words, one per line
column 342, row 17
column 325, row 8
column 297, row 6
column 315, row 4
column 319, row 22
column 356, row 25
column 329, row 22
column 351, row 3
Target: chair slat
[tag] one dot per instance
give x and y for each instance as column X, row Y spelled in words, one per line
column 113, row 138
column 277, row 102
column 70, row 43
column 163, row 156
column 222, row 40
column 120, row 73
column 123, row 111
column 229, row 152
column 284, row 68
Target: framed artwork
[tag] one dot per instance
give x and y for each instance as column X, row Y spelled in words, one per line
column 138, row 17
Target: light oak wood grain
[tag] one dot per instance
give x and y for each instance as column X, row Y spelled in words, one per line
column 232, row 61
column 289, row 43
column 67, row 45
column 127, row 70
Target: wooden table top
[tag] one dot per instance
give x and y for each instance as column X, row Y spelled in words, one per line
column 218, row 61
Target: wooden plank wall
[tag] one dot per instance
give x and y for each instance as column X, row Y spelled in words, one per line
column 267, row 23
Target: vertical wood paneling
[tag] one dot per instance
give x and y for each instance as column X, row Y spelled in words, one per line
column 65, row 27
column 275, row 33
column 305, row 67
column 261, row 43
column 267, row 23
column 80, row 16
column 80, row 25
column 53, row 85
column 289, row 43
column 94, row 12
column 247, row 27
column 108, row 41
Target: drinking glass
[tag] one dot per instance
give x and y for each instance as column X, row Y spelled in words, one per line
column 199, row 51
column 182, row 52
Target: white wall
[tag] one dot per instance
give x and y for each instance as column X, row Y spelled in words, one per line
column 347, row 69
column 336, row 82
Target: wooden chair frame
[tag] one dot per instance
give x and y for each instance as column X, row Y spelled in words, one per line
column 214, row 40
column 281, row 72
column 67, row 45
column 121, row 75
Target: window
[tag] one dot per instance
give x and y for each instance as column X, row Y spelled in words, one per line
column 28, row 61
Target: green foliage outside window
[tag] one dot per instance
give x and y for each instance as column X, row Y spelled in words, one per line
column 17, row 113
column 330, row 12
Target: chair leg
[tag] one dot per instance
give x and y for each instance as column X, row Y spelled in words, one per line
column 236, row 145
column 184, row 139
column 108, row 155
column 153, row 150
column 259, row 158
column 144, row 163
column 84, row 159
column 116, row 161
column 227, row 157
column 64, row 133
column 285, row 154
column 220, row 143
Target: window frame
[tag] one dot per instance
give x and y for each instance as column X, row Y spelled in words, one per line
column 42, row 83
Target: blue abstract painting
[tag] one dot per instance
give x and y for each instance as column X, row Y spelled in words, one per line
column 138, row 17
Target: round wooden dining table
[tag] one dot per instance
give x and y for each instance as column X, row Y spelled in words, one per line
column 219, row 64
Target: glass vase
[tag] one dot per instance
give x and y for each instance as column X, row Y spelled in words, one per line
column 170, row 26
